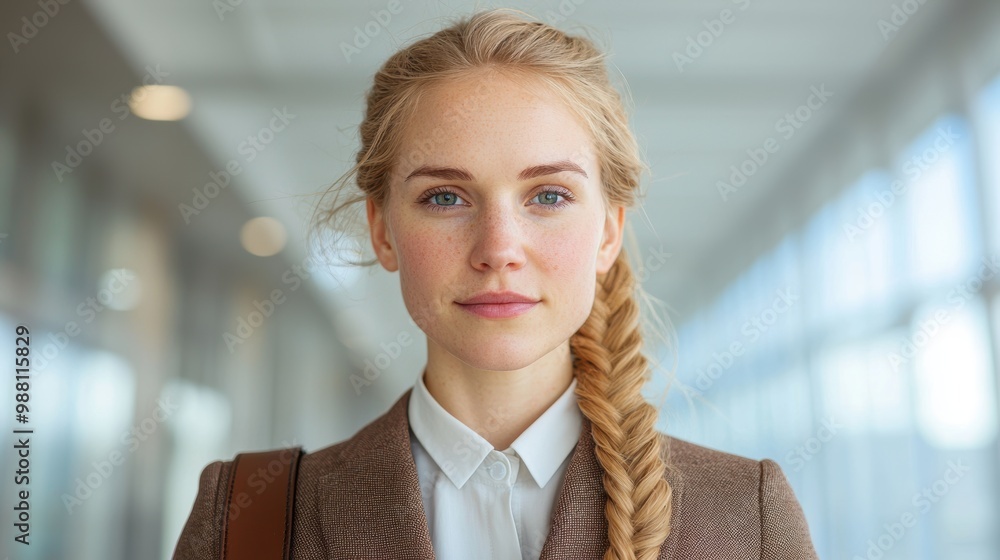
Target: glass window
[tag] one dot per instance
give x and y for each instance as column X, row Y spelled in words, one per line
column 955, row 389
column 987, row 114
column 942, row 233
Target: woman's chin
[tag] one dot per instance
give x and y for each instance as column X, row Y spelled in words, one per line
column 501, row 358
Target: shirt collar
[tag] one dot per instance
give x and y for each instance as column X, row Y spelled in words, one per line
column 458, row 450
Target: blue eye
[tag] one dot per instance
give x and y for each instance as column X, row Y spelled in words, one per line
column 549, row 196
column 440, row 199
column 445, row 196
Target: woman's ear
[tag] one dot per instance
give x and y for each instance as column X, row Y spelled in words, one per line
column 380, row 236
column 611, row 240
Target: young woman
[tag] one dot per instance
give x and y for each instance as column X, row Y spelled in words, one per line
column 496, row 166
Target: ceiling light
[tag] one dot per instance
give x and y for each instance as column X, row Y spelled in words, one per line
column 263, row 236
column 160, row 103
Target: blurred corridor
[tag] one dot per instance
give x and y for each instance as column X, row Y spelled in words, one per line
column 822, row 222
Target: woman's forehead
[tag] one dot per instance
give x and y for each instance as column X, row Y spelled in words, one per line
column 505, row 122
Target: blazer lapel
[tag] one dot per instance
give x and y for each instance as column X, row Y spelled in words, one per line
column 373, row 501
column 579, row 528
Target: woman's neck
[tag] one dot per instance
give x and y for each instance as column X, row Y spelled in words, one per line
column 498, row 405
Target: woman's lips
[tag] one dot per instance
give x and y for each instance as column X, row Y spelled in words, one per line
column 498, row 310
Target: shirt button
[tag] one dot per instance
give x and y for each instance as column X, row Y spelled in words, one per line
column 498, row 470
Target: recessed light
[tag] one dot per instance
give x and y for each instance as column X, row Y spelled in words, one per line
column 160, row 103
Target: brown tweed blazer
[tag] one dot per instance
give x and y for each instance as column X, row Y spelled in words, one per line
column 360, row 498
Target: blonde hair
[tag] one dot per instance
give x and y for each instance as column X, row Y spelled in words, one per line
column 609, row 365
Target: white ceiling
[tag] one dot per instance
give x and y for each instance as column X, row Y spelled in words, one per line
column 694, row 125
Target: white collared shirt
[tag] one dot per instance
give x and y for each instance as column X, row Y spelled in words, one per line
column 483, row 503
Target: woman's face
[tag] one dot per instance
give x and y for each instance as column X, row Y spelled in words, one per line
column 497, row 188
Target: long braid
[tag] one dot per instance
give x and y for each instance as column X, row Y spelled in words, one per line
column 611, row 371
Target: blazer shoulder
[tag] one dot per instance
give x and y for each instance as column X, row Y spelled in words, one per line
column 201, row 536
column 749, row 495
column 202, row 531
column 716, row 485
column 784, row 530
column 701, row 465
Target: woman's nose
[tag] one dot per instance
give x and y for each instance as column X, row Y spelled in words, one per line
column 499, row 238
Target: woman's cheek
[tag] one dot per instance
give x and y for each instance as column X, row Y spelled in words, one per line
column 425, row 258
column 573, row 255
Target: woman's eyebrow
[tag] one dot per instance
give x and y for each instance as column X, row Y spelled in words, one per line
column 459, row 174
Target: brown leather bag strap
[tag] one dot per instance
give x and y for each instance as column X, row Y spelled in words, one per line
column 260, row 500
